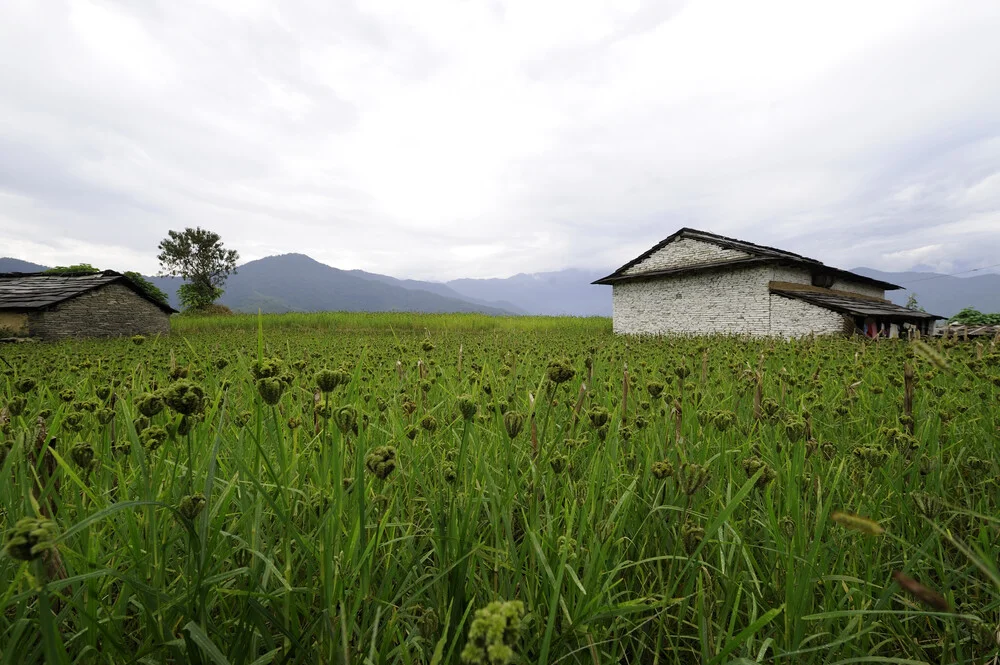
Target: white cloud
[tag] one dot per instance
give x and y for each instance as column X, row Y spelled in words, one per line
column 446, row 138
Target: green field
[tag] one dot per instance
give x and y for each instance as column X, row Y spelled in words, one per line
column 200, row 498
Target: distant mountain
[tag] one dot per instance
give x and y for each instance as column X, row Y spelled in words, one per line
column 563, row 292
column 941, row 294
column 297, row 283
column 439, row 288
column 8, row 264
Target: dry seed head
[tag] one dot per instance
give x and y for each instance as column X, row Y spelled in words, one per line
column 857, row 523
column 928, row 597
column 928, row 352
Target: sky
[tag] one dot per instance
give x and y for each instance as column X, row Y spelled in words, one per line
column 482, row 138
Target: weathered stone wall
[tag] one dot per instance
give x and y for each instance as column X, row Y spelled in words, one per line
column 109, row 311
column 735, row 301
column 15, row 322
column 791, row 274
column 857, row 287
column 794, row 318
column 725, row 301
column 685, row 252
column 798, row 275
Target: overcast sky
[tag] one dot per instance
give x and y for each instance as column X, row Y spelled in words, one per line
column 438, row 139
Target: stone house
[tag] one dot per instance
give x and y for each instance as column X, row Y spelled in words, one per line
column 52, row 307
column 697, row 283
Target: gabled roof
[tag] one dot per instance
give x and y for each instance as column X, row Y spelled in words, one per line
column 867, row 307
column 27, row 291
column 758, row 254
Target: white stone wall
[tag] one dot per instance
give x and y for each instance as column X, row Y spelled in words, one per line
column 685, row 252
column 794, row 318
column 735, row 302
column 798, row 275
column 857, row 287
column 791, row 274
column 724, row 301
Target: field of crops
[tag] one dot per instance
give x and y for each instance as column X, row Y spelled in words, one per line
column 362, row 491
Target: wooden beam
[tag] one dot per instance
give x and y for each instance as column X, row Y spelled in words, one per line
column 792, row 286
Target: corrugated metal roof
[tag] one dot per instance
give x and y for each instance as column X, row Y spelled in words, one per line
column 33, row 291
column 856, row 306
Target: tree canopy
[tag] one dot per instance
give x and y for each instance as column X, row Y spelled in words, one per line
column 971, row 316
column 198, row 256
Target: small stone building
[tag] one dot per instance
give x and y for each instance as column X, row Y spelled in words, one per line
column 696, row 283
column 52, row 307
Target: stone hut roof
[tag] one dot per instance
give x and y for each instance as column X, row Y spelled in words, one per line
column 25, row 292
column 759, row 254
column 853, row 305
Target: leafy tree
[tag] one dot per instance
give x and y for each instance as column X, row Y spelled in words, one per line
column 911, row 303
column 971, row 316
column 78, row 269
column 197, row 255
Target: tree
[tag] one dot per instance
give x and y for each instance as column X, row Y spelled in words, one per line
column 971, row 316
column 197, row 255
column 911, row 303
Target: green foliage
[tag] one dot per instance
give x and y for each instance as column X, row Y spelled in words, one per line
column 316, row 495
column 911, row 303
column 198, row 256
column 78, row 269
column 148, row 287
column 973, row 317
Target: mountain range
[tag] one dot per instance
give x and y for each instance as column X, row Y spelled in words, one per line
column 298, row 283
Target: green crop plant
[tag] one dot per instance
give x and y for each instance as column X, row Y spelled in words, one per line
column 395, row 488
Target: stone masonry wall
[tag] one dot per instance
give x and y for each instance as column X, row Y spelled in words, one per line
column 724, row 302
column 794, row 318
column 798, row 275
column 109, row 311
column 685, row 252
column 857, row 287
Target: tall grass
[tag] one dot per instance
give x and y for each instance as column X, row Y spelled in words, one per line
column 401, row 321
column 686, row 525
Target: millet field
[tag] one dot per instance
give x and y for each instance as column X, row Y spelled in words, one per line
column 378, row 489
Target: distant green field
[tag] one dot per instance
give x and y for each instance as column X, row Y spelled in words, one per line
column 402, row 321
column 351, row 488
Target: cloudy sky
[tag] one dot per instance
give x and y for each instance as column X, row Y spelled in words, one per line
column 479, row 138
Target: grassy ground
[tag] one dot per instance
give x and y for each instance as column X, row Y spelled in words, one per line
column 401, row 321
column 284, row 495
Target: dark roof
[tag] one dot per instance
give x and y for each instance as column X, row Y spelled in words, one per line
column 856, row 306
column 27, row 291
column 762, row 253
